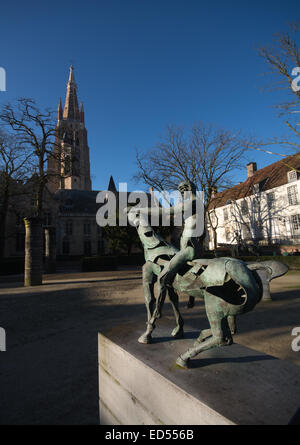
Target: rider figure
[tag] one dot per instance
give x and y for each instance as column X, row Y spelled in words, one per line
column 192, row 211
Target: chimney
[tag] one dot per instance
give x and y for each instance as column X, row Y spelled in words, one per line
column 251, row 169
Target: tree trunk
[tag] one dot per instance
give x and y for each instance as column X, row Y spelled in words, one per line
column 33, row 251
column 3, row 214
column 50, row 249
column 2, row 235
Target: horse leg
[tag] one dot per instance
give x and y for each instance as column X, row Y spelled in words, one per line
column 203, row 335
column 178, row 331
column 216, row 318
column 231, row 319
column 147, row 337
column 148, row 286
column 191, row 302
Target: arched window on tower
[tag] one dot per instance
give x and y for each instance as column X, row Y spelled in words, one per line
column 67, row 165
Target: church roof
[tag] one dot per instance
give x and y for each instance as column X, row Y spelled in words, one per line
column 77, row 201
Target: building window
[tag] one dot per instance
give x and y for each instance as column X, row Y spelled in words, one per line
column 69, row 228
column 292, row 192
column 227, row 235
column 271, row 200
column 20, row 242
column 47, row 219
column 246, row 232
column 87, row 228
column 255, row 205
column 292, row 176
column 244, row 207
column 225, row 214
column 66, row 246
column 19, row 220
column 258, row 228
column 100, row 247
column 87, row 247
column 296, row 224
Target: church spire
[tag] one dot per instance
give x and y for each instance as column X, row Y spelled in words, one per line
column 111, row 185
column 81, row 113
column 59, row 111
column 71, row 110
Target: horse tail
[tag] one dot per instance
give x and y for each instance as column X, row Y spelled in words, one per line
column 273, row 269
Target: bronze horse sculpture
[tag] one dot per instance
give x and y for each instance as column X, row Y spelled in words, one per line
column 230, row 287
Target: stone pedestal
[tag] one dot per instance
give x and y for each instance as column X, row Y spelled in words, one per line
column 141, row 384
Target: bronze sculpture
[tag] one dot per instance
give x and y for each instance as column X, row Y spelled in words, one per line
column 230, row 287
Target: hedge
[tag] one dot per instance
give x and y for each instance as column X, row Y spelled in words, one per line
column 105, row 262
column 99, row 263
column 292, row 261
column 136, row 259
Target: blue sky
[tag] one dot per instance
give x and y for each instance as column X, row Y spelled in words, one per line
column 141, row 65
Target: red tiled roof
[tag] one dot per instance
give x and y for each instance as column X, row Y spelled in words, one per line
column 273, row 175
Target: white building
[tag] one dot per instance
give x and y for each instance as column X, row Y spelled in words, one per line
column 263, row 211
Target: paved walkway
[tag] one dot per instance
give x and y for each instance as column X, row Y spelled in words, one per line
column 49, row 373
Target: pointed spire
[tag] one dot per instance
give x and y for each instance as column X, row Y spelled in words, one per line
column 111, row 185
column 59, row 110
column 71, row 75
column 71, row 110
column 81, row 113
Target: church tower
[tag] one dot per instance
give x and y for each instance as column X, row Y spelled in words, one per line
column 69, row 168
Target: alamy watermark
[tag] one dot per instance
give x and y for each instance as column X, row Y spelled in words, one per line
column 296, row 82
column 296, row 341
column 159, row 208
column 2, row 340
column 2, row 79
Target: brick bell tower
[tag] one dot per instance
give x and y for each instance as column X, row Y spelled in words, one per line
column 69, row 168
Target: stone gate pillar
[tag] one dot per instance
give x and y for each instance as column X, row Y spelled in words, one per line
column 50, row 249
column 33, row 274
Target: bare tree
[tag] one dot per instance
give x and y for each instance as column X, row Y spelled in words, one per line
column 206, row 156
column 252, row 221
column 14, row 167
column 35, row 131
column 283, row 59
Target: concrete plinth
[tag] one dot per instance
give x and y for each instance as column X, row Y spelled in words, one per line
column 141, row 384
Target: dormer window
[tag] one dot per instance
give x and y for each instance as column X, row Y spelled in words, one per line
column 292, row 176
column 256, row 188
column 259, row 186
